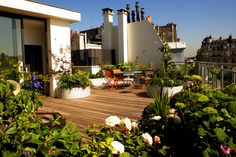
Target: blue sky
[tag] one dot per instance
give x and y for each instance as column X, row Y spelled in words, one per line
column 195, row 19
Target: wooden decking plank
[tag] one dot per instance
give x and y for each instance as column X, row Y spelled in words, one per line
column 98, row 106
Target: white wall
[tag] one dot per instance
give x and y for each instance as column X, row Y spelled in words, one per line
column 122, row 37
column 58, row 45
column 178, row 51
column 108, row 31
column 143, row 43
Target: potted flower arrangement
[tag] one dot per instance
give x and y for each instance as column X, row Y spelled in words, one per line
column 98, row 79
column 167, row 78
column 73, row 85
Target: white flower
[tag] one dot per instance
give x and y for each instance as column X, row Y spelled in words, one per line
column 118, row 148
column 127, row 123
column 134, row 125
column 175, row 117
column 112, row 121
column 147, row 138
column 156, row 118
column 172, row 111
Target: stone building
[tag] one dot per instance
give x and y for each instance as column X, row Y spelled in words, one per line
column 221, row 50
column 167, row 33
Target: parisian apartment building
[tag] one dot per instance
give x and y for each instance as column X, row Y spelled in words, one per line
column 221, row 50
column 167, row 33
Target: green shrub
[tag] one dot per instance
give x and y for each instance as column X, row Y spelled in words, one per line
column 200, row 122
column 77, row 79
column 132, row 141
column 22, row 131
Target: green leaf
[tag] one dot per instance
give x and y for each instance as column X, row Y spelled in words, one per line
column 9, row 154
column 202, row 132
column 206, row 123
column 180, row 105
column 203, row 98
column 11, row 130
column 220, row 134
column 232, row 107
column 205, row 153
column 109, row 140
column 1, row 106
column 225, row 113
column 125, row 154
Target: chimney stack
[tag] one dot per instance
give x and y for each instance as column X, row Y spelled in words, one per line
column 133, row 16
column 137, row 11
column 142, row 14
column 128, row 12
column 122, row 55
column 107, row 35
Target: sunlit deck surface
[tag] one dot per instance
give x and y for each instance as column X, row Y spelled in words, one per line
column 101, row 104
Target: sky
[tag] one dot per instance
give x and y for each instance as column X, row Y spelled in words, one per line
column 195, row 19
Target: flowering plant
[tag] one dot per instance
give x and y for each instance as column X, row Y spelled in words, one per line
column 23, row 132
column 197, row 121
column 73, row 80
column 167, row 75
column 122, row 137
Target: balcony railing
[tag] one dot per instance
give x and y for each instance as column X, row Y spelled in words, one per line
column 225, row 73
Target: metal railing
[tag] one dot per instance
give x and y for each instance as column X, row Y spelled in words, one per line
column 223, row 74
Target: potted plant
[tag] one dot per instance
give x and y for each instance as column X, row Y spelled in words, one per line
column 98, row 79
column 73, row 85
column 167, row 79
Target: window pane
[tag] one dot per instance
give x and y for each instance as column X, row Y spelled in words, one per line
column 10, row 37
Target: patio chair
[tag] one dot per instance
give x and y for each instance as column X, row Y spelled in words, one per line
column 117, row 77
column 148, row 75
column 128, row 78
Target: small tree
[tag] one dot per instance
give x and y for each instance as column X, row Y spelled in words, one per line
column 168, row 65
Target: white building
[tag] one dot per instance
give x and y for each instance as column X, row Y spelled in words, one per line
column 132, row 40
column 136, row 41
column 35, row 33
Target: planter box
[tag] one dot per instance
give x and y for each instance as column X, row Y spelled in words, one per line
column 73, row 93
column 98, row 82
column 152, row 91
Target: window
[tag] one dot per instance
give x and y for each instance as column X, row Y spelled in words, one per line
column 10, row 37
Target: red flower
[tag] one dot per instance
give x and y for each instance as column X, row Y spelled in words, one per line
column 107, row 73
column 157, row 139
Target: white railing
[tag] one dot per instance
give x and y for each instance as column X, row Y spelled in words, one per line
column 225, row 76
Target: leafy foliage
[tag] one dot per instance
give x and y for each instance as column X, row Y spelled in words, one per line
column 22, row 132
column 167, row 75
column 101, row 136
column 77, row 79
column 9, row 68
column 203, row 120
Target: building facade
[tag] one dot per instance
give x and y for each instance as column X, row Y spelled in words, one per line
column 36, row 34
column 221, row 50
column 167, row 33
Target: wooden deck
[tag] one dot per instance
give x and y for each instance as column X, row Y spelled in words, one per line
column 101, row 104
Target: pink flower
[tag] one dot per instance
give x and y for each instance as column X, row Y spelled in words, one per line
column 225, row 150
column 191, row 84
column 157, row 139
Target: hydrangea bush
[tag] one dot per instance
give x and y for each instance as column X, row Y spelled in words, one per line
column 200, row 121
column 121, row 137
